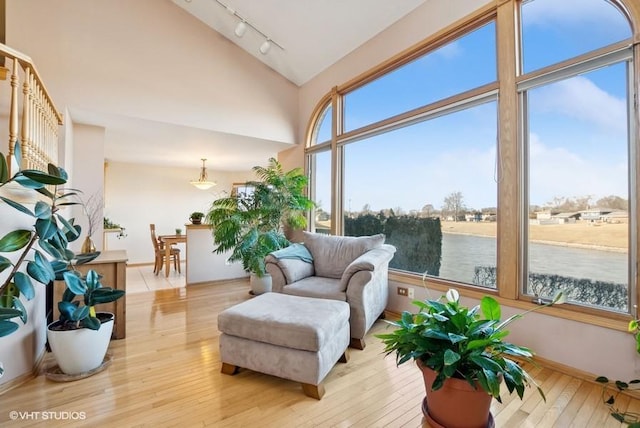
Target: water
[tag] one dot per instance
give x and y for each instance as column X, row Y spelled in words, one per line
column 462, row 253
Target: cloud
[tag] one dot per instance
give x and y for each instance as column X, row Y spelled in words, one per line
column 557, row 171
column 582, row 99
column 450, row 51
column 571, row 12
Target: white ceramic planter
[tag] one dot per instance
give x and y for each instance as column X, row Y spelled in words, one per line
column 260, row 285
column 80, row 351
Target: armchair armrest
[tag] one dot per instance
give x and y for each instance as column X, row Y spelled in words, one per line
column 292, row 270
column 369, row 261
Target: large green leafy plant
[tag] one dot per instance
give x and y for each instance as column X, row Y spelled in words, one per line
column 458, row 342
column 40, row 253
column 250, row 225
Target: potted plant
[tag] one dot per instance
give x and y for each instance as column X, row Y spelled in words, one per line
column 196, row 217
column 251, row 225
column 463, row 356
column 80, row 337
column 38, row 253
column 111, row 226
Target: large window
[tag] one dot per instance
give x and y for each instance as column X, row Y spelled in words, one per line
column 435, row 173
column 524, row 183
column 459, row 66
column 578, row 156
column 321, row 191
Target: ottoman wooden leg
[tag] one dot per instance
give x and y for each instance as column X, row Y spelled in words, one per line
column 357, row 343
column 313, row 391
column 229, row 369
column 345, row 357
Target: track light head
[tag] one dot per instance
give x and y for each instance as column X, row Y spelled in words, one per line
column 265, row 47
column 241, row 28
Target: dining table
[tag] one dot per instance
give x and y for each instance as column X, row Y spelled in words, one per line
column 168, row 241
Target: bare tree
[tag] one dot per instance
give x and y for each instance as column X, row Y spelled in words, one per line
column 454, row 204
column 614, row 202
column 427, row 210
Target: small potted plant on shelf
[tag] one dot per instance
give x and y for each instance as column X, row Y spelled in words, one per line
column 115, row 227
column 463, row 357
column 196, row 217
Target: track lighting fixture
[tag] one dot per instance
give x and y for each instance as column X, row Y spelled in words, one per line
column 241, row 29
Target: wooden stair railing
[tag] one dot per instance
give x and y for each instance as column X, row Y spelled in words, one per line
column 32, row 113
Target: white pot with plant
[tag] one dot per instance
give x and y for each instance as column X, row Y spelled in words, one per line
column 39, row 253
column 80, row 338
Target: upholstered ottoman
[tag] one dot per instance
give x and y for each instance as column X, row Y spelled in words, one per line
column 292, row 337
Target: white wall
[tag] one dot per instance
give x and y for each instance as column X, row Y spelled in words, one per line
column 20, row 350
column 150, row 59
column 85, row 175
column 137, row 195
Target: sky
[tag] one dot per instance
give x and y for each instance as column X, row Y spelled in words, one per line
column 578, row 131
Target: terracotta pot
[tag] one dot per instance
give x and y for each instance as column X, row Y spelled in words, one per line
column 457, row 404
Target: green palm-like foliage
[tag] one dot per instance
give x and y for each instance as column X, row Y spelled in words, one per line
column 283, row 193
column 458, row 342
column 250, row 226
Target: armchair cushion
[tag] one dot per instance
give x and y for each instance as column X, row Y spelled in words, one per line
column 314, row 286
column 332, row 254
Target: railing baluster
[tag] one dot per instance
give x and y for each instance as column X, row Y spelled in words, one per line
column 13, row 111
column 37, row 123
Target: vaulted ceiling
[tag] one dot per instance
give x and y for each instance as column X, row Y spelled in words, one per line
column 309, row 35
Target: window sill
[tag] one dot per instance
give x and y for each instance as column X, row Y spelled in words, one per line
column 592, row 316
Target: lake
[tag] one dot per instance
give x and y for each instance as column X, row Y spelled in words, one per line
column 462, row 253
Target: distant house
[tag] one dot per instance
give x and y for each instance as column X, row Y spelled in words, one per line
column 594, row 214
column 543, row 215
column 616, row 217
column 569, row 217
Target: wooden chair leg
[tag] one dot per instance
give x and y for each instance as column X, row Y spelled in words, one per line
column 158, row 265
column 178, row 262
column 313, row 391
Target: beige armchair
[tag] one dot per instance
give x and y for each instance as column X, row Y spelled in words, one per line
column 351, row 269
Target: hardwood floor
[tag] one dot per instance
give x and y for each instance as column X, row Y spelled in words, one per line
column 167, row 373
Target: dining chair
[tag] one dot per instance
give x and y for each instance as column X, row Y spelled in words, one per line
column 160, row 254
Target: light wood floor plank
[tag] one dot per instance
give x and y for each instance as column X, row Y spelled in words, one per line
column 166, row 373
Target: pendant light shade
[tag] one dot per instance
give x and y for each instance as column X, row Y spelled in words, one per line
column 202, row 182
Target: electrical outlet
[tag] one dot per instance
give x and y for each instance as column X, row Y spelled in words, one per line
column 410, row 294
column 402, row 291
